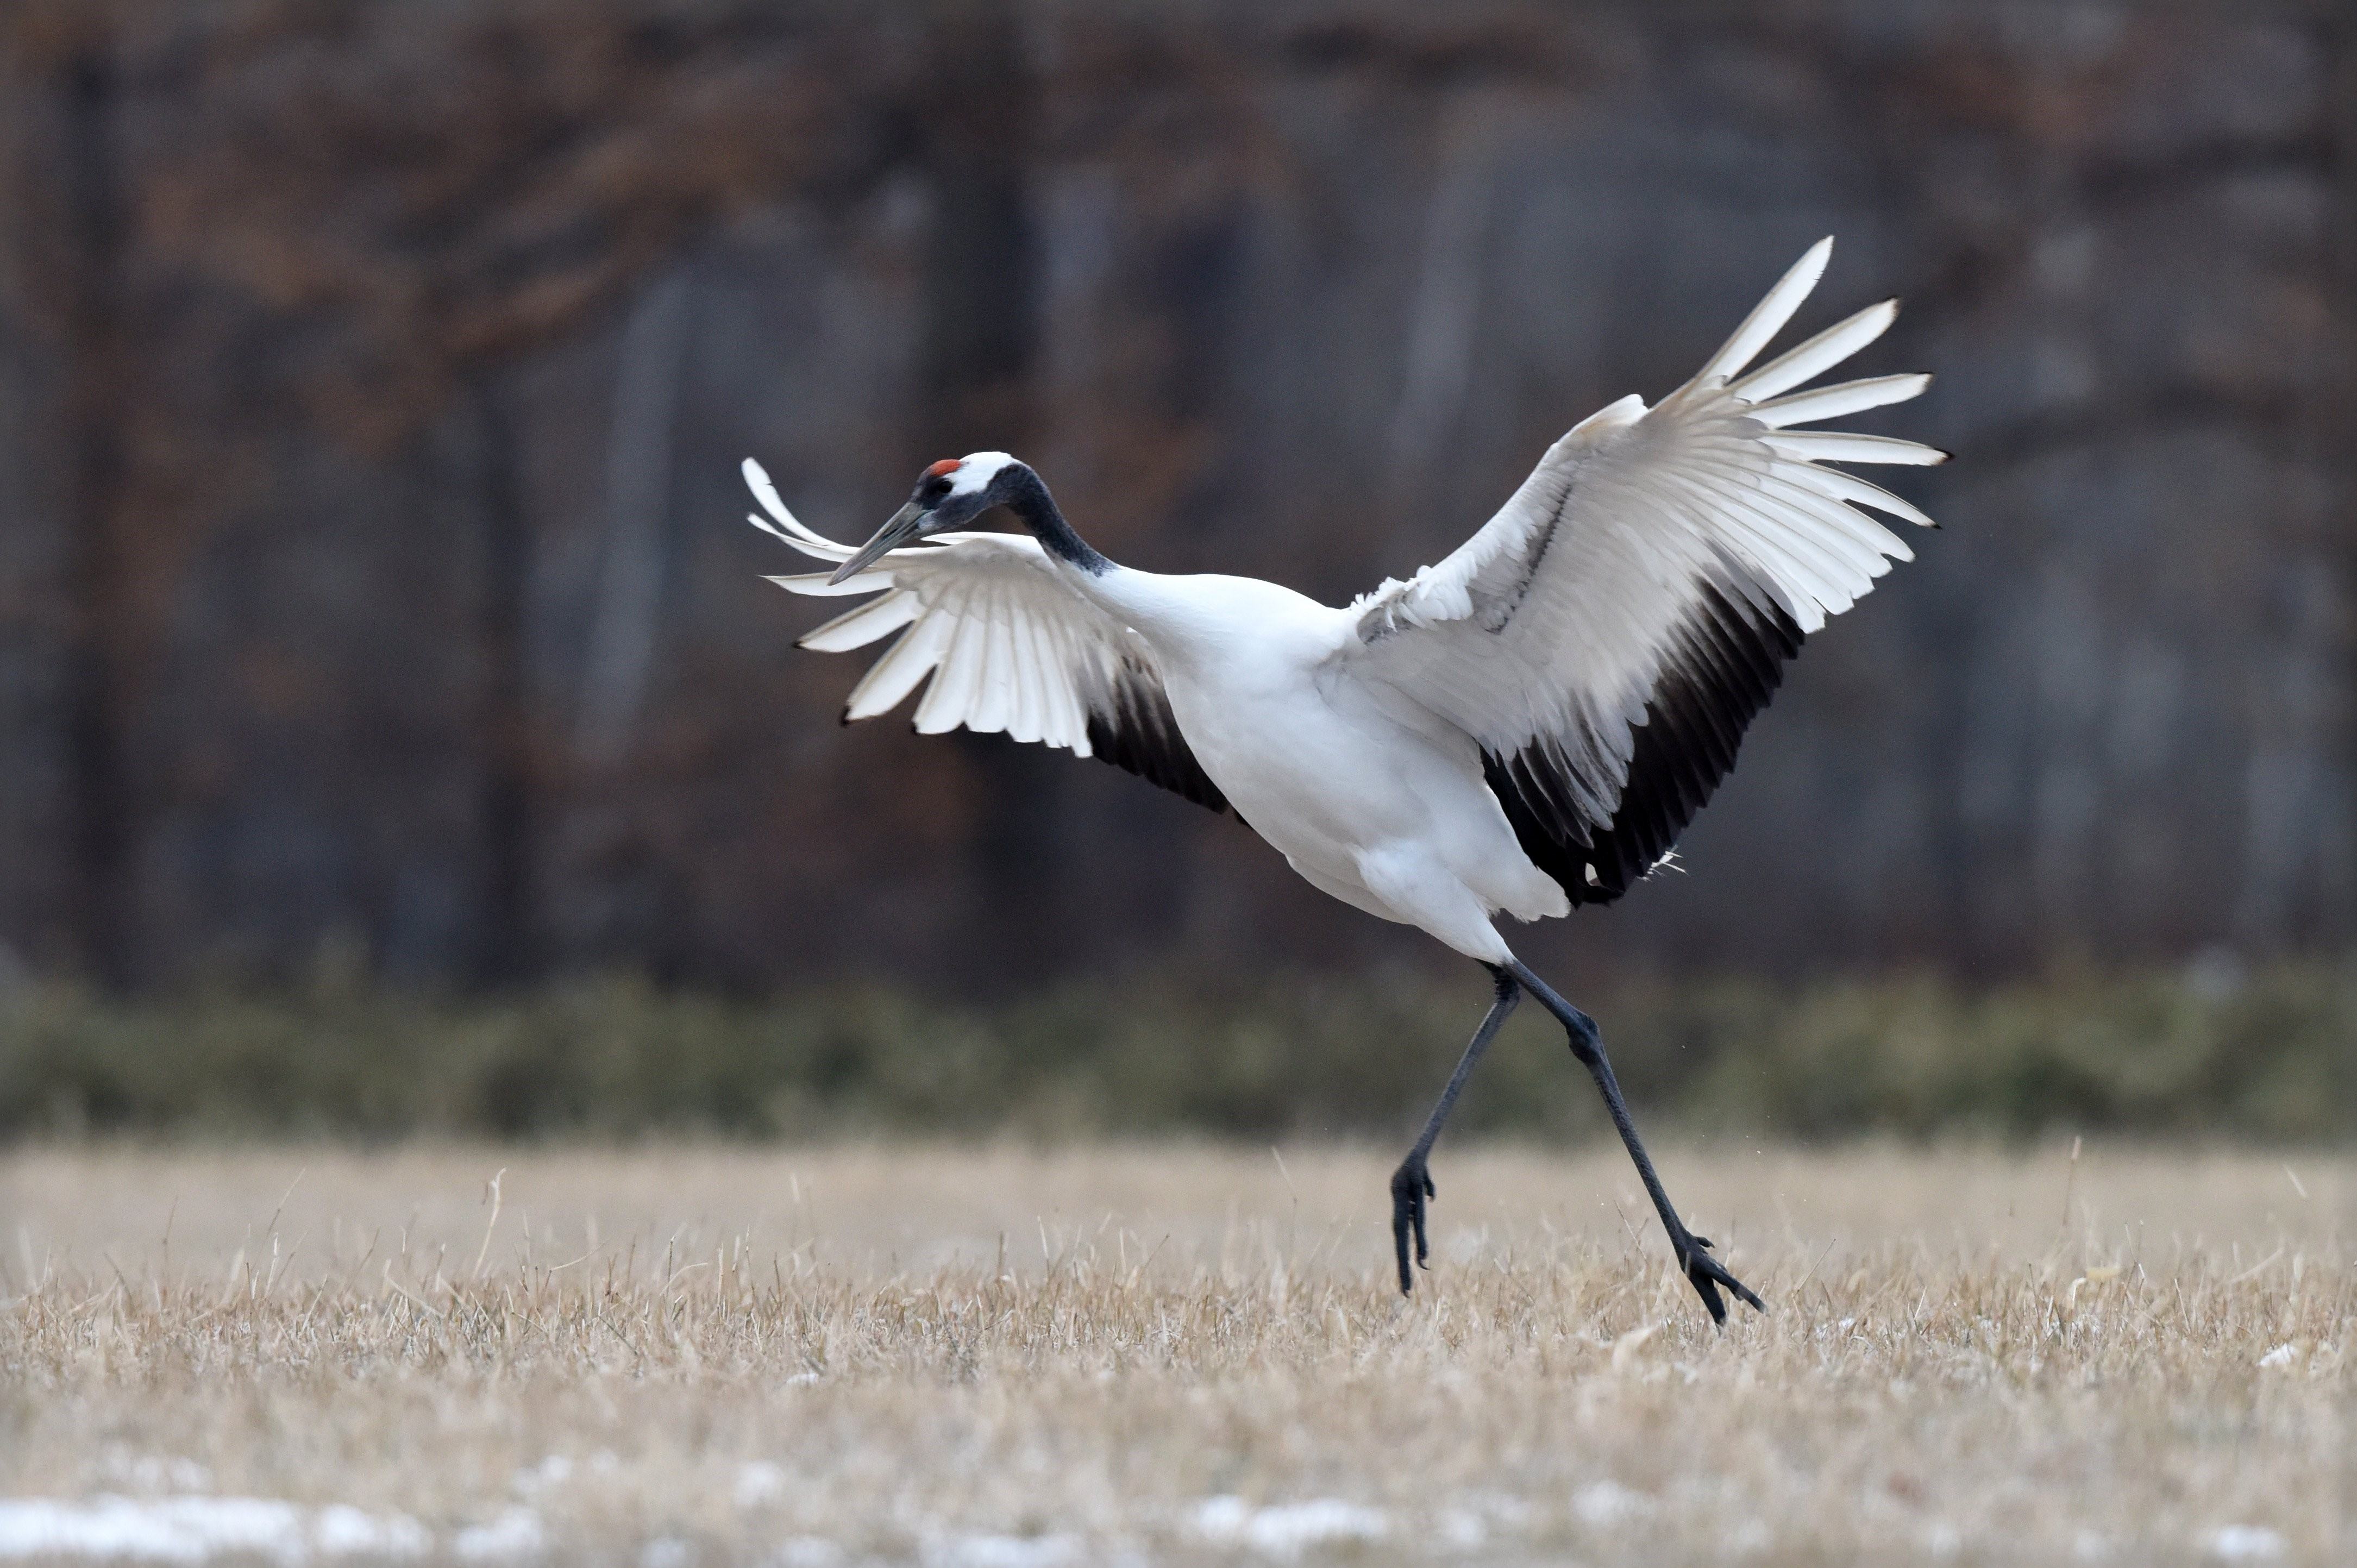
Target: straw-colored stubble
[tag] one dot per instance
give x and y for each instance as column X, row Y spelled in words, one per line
column 1193, row 1354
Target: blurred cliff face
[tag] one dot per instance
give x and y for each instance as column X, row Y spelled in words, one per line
column 373, row 381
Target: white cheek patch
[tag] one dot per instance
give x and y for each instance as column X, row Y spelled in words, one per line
column 975, row 472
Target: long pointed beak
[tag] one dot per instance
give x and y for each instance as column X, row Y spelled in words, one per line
column 891, row 536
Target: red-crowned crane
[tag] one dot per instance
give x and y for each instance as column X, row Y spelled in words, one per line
column 1524, row 727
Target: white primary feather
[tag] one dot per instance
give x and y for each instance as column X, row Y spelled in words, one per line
column 1833, row 401
column 857, row 628
column 1768, row 317
column 787, row 527
column 1836, row 446
column 1850, row 488
column 902, row 668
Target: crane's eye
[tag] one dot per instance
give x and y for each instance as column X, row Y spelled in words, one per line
column 934, row 482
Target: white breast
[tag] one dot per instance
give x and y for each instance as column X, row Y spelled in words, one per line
column 1369, row 805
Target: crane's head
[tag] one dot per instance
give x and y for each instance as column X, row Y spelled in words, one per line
column 950, row 494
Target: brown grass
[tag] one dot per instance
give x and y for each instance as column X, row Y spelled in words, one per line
column 1003, row 1357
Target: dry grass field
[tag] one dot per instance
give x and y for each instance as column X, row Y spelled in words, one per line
column 1005, row 1358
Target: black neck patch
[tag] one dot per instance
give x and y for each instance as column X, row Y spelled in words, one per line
column 1028, row 499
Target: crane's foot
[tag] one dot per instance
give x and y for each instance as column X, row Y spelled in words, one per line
column 1706, row 1273
column 1412, row 1189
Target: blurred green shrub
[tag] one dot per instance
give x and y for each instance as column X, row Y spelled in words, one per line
column 2272, row 1055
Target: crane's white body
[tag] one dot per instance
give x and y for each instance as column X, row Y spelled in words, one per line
column 1369, row 801
column 1653, row 570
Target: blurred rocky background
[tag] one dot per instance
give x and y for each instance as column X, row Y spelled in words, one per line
column 373, row 376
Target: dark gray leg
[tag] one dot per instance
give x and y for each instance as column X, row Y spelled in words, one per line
column 1412, row 1184
column 1702, row 1271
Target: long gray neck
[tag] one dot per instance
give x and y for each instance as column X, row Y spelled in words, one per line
column 1031, row 502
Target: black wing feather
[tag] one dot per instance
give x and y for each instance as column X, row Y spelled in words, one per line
column 1726, row 663
column 1132, row 727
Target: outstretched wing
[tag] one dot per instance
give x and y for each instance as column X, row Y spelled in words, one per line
column 1609, row 634
column 1010, row 648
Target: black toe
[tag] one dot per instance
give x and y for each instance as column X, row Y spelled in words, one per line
column 1412, row 1189
column 1707, row 1274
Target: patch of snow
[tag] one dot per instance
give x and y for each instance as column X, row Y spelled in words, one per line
column 1470, row 1522
column 161, row 1530
column 1222, row 1518
column 1003, row 1552
column 1287, row 1529
column 2245, row 1543
column 809, row 1551
column 1603, row 1504
column 667, row 1552
column 199, row 1528
column 516, row 1533
column 343, row 1531
column 759, row 1482
column 1943, row 1540
column 2281, row 1355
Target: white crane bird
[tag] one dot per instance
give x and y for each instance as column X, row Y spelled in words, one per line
column 1522, row 728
